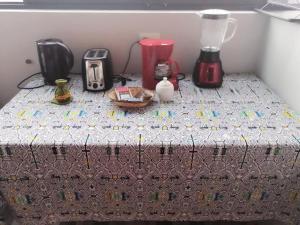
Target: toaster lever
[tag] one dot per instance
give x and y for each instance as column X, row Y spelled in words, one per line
column 94, row 66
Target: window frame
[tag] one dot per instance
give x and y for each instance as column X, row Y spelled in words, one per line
column 134, row 4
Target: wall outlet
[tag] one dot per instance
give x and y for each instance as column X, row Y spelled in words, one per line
column 149, row 35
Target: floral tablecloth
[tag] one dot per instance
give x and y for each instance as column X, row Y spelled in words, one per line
column 211, row 154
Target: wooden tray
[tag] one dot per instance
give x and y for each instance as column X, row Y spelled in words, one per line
column 136, row 92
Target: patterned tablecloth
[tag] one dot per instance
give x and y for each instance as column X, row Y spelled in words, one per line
column 212, row 154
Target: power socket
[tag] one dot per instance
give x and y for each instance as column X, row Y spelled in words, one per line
column 149, row 35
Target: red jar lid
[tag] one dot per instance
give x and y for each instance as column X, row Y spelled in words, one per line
column 156, row 42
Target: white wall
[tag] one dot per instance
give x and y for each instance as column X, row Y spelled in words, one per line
column 280, row 60
column 115, row 30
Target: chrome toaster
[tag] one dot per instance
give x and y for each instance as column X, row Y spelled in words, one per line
column 97, row 72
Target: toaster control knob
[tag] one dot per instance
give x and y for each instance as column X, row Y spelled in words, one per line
column 95, row 85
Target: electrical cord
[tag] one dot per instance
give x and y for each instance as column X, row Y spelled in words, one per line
column 180, row 76
column 39, row 86
column 129, row 56
column 120, row 77
column 27, row 78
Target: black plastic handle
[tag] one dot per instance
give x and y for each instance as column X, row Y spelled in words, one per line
column 69, row 55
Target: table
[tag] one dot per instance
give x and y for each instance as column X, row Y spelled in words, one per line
column 211, row 154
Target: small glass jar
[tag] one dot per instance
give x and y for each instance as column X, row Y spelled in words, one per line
column 62, row 93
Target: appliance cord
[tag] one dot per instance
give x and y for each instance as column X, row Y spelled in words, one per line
column 39, row 86
column 120, row 77
column 129, row 56
column 180, row 76
column 27, row 78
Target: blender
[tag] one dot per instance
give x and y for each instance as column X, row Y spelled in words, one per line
column 208, row 72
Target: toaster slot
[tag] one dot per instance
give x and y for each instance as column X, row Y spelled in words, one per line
column 101, row 53
column 91, row 54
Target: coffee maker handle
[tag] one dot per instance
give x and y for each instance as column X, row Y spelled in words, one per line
column 235, row 25
column 69, row 55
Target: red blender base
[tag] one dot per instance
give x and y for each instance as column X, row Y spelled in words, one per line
column 210, row 75
column 208, row 72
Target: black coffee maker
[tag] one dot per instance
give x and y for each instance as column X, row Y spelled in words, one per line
column 56, row 59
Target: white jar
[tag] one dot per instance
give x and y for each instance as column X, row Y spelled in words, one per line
column 165, row 90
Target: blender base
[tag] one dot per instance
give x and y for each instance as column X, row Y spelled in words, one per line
column 208, row 72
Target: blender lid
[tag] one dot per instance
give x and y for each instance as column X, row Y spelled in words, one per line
column 215, row 14
column 156, row 42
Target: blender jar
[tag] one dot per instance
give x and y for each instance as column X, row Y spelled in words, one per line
column 214, row 25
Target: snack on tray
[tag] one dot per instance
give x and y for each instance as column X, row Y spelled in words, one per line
column 124, row 94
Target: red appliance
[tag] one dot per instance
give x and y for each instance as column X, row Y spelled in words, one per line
column 208, row 72
column 157, row 62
